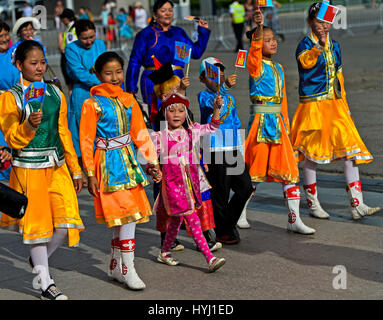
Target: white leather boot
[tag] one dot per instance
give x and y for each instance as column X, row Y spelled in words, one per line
column 315, row 208
column 295, row 223
column 115, row 266
column 358, row 208
column 131, row 278
column 242, row 221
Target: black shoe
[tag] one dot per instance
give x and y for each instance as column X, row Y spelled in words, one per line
column 177, row 246
column 52, row 293
column 213, row 246
column 227, row 239
column 236, row 233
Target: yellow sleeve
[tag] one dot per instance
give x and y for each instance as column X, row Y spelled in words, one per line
column 66, row 140
column 88, row 130
column 309, row 58
column 254, row 59
column 285, row 111
column 341, row 81
column 284, row 107
column 140, row 135
column 17, row 135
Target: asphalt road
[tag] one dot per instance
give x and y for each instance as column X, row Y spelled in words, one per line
column 269, row 263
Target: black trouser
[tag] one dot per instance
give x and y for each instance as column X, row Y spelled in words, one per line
column 67, row 78
column 228, row 171
column 238, row 32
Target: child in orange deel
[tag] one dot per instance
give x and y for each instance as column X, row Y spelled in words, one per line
column 115, row 179
column 268, row 151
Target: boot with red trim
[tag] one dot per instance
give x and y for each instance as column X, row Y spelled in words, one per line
column 315, row 208
column 131, row 278
column 295, row 223
column 358, row 208
column 115, row 265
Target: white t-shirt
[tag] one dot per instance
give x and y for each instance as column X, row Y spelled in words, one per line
column 141, row 18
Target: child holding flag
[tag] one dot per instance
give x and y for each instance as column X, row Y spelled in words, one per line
column 322, row 129
column 225, row 148
column 268, row 151
column 166, row 82
column 180, row 189
column 37, row 130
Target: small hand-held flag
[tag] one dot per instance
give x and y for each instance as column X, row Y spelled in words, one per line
column 327, row 12
column 213, row 73
column 183, row 53
column 241, row 60
column 34, row 95
column 265, row 3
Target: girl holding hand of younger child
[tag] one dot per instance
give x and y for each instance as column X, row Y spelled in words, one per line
column 115, row 178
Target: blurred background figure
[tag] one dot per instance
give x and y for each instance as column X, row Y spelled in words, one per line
column 68, row 19
column 111, row 36
column 237, row 11
column 124, row 29
column 58, row 10
column 90, row 14
column 104, row 20
column 82, row 14
column 249, row 9
column 271, row 19
column 121, row 17
column 141, row 17
column 27, row 11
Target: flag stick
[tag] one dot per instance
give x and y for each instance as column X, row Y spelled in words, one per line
column 235, row 70
column 188, row 65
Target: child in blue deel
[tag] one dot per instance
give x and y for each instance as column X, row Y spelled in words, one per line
column 226, row 167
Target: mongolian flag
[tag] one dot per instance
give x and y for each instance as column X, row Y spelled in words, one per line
column 241, row 59
column 327, row 12
column 34, row 96
column 212, row 72
column 182, row 52
column 265, row 3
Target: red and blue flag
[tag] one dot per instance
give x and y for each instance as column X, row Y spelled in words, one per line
column 327, row 12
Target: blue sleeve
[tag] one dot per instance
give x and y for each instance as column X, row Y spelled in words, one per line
column 198, row 47
column 135, row 62
column 206, row 109
column 77, row 71
column 302, row 46
column 237, row 121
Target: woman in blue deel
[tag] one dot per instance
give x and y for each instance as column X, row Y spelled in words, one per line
column 158, row 39
column 81, row 56
column 10, row 76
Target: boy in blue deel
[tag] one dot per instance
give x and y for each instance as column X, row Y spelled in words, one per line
column 226, row 167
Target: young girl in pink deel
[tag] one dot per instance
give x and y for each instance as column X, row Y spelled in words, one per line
column 180, row 192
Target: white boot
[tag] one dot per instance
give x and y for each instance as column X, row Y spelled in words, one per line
column 313, row 202
column 242, row 221
column 295, row 223
column 358, row 208
column 115, row 265
column 131, row 278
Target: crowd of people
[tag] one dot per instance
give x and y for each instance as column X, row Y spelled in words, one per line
column 96, row 139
